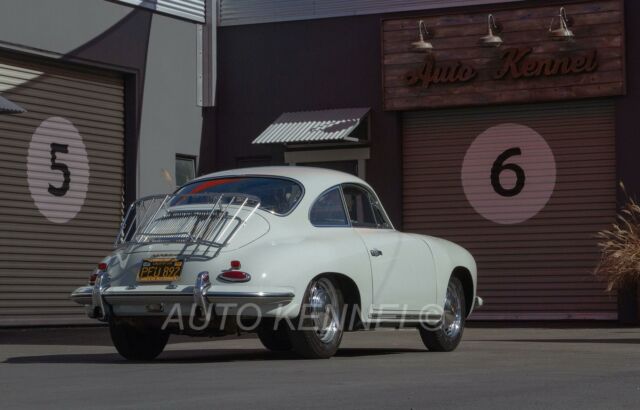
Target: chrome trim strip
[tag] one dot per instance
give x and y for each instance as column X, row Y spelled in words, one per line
column 189, row 295
column 138, row 294
column 259, row 295
column 221, row 278
column 395, row 316
column 407, row 316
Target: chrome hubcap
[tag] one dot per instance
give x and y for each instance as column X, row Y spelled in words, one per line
column 452, row 323
column 325, row 311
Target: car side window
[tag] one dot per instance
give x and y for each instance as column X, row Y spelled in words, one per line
column 359, row 206
column 328, row 210
column 381, row 220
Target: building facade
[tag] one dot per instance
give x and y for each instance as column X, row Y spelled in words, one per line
column 504, row 126
column 113, row 93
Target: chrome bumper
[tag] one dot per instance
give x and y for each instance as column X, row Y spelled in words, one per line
column 99, row 298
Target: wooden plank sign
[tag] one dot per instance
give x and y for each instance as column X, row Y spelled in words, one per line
column 529, row 66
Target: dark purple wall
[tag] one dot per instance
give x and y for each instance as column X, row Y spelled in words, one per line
column 267, row 69
column 107, row 49
column 628, row 137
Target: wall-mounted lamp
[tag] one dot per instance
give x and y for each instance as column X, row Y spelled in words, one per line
column 562, row 31
column 421, row 44
column 492, row 39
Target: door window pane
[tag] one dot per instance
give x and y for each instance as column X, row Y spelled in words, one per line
column 328, row 210
column 359, row 206
column 379, row 214
column 185, row 169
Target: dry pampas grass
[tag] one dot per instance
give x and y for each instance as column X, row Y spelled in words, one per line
column 620, row 246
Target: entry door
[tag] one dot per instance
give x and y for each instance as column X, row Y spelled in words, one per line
column 401, row 265
column 525, row 188
column 62, row 179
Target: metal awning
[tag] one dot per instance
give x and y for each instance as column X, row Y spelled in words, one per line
column 8, row 107
column 313, row 126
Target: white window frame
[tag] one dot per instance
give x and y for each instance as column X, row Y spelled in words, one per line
column 330, row 155
column 185, row 157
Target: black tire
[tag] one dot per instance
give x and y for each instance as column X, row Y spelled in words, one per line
column 134, row 343
column 308, row 339
column 276, row 340
column 447, row 337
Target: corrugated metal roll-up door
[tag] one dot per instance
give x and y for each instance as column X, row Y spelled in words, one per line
column 188, row 9
column 238, row 12
column 525, row 188
column 61, row 185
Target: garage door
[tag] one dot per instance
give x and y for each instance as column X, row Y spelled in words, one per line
column 61, row 183
column 525, row 189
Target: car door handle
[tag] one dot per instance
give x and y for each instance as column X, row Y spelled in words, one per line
column 375, row 252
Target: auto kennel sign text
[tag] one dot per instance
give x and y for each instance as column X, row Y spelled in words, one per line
column 516, row 63
column 530, row 65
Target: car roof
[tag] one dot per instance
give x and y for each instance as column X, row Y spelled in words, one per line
column 312, row 178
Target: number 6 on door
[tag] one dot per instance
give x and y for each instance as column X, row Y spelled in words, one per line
column 500, row 166
column 508, row 173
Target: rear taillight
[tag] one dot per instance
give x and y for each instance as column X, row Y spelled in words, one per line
column 234, row 276
column 102, row 267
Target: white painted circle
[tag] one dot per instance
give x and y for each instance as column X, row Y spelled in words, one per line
column 508, row 202
column 43, row 179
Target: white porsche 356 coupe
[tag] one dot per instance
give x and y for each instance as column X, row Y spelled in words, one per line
column 296, row 254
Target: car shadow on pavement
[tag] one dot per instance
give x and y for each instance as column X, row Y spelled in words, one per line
column 82, row 336
column 56, row 336
column 621, row 340
column 199, row 356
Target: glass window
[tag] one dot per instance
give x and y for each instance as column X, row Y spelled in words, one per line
column 185, row 169
column 359, row 206
column 328, row 210
column 381, row 221
column 277, row 195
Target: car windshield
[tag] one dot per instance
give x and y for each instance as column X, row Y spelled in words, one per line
column 277, row 195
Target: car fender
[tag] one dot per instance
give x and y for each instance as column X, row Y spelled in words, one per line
column 293, row 261
column 448, row 256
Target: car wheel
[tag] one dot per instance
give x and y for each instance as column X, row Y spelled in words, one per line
column 319, row 328
column 135, row 343
column 449, row 334
column 277, row 339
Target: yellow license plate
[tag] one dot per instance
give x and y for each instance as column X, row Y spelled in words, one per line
column 160, row 270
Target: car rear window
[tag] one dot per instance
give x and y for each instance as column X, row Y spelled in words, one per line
column 277, row 195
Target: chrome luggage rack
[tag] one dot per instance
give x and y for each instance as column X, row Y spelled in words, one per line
column 198, row 221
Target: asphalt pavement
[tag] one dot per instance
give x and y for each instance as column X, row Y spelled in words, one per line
column 494, row 368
